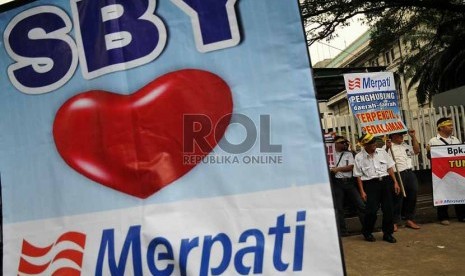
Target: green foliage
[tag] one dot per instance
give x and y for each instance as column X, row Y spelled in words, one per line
column 433, row 30
column 434, row 56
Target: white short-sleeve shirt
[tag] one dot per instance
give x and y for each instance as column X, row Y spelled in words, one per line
column 403, row 155
column 436, row 141
column 368, row 167
column 346, row 158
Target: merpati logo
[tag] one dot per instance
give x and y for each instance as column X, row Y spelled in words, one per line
column 355, row 83
column 217, row 254
column 143, row 252
column 366, row 83
column 68, row 248
column 377, row 84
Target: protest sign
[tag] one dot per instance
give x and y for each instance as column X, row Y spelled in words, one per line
column 330, row 148
column 448, row 170
column 373, row 101
column 162, row 138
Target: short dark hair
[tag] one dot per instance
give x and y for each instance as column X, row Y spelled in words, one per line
column 396, row 133
column 340, row 139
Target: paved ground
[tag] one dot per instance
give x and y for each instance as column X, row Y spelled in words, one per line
column 433, row 250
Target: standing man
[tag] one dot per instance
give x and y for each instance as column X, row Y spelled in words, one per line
column 402, row 154
column 373, row 168
column 343, row 184
column 444, row 137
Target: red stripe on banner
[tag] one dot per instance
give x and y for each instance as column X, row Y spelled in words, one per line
column 34, row 251
column 75, row 237
column 27, row 267
column 66, row 271
column 70, row 254
column 443, row 165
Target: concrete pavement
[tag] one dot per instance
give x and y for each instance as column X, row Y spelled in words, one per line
column 433, row 250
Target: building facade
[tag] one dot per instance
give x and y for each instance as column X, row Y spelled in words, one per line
column 360, row 55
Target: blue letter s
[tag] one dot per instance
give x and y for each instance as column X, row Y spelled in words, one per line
column 46, row 56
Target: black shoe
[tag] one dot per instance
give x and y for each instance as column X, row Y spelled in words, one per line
column 389, row 238
column 369, row 237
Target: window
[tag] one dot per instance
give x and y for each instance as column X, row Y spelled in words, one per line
column 387, row 58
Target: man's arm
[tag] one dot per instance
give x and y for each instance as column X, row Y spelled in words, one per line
column 349, row 160
column 358, row 173
column 363, row 195
column 396, row 185
column 347, row 168
column 415, row 144
column 428, row 150
column 388, row 145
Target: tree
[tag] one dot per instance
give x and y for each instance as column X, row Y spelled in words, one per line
column 433, row 30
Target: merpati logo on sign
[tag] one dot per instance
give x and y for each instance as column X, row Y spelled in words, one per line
column 280, row 247
column 219, row 254
column 378, row 83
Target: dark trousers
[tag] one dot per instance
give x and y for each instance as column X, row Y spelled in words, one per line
column 379, row 192
column 443, row 212
column 343, row 188
column 404, row 207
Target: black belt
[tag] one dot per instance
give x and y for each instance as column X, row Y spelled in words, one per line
column 378, row 179
column 407, row 170
column 344, row 179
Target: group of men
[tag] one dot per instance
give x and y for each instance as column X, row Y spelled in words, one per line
column 384, row 178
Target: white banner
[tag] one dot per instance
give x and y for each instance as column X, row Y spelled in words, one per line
column 448, row 169
column 197, row 237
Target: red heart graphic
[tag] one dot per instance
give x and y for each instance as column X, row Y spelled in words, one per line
column 134, row 143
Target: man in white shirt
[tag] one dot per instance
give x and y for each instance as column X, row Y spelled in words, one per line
column 373, row 168
column 343, row 184
column 444, row 137
column 402, row 154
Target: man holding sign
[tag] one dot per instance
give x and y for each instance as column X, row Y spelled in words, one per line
column 444, row 137
column 373, row 100
column 376, row 181
column 402, row 154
